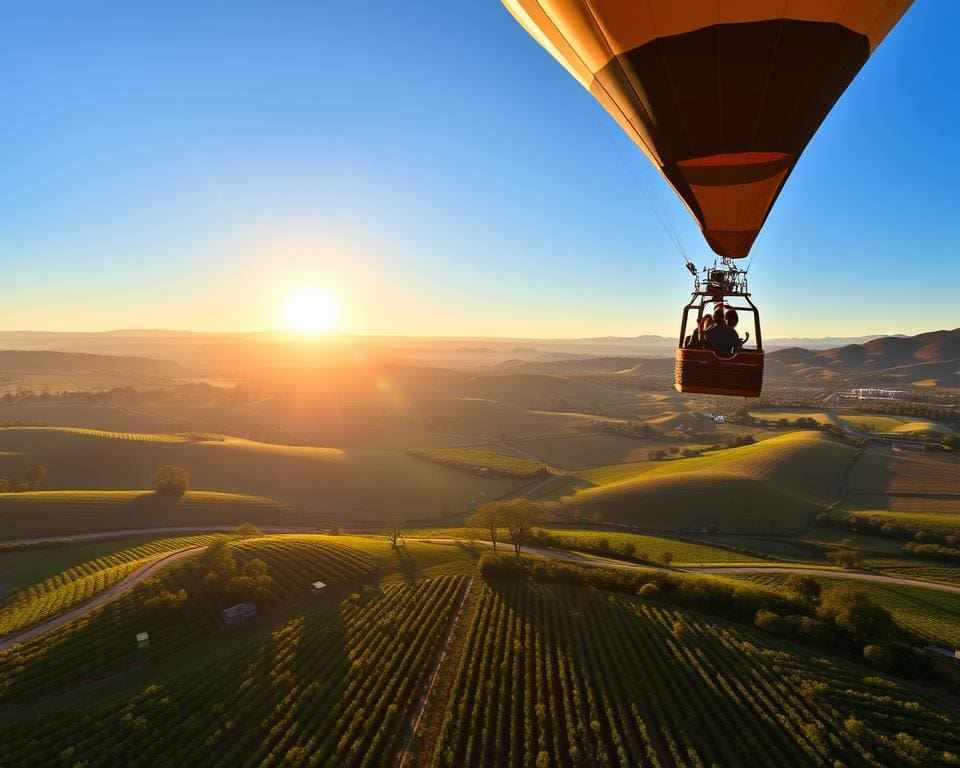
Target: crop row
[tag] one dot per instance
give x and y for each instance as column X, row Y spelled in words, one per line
column 76, row 585
column 102, row 641
column 567, row 676
column 331, row 687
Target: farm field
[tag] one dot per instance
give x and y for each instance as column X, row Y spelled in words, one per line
column 881, row 471
column 100, row 643
column 59, row 593
column 476, row 461
column 343, row 484
column 934, row 616
column 575, row 676
column 919, row 489
column 36, row 514
column 942, row 574
column 342, row 680
column 777, row 485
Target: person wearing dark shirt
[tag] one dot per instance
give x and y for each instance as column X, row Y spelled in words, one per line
column 722, row 338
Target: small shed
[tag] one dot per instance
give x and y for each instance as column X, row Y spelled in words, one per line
column 143, row 640
column 239, row 614
column 318, row 588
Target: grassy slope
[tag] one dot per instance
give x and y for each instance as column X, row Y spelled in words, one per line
column 935, row 616
column 776, row 485
column 53, row 513
column 349, row 484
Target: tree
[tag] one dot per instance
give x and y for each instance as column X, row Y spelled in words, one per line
column 487, row 517
column 164, row 607
column 853, row 611
column 520, row 516
column 35, row 475
column 395, row 529
column 249, row 529
column 667, row 558
column 806, row 588
column 171, row 481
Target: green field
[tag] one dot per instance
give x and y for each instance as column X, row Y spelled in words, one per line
column 934, row 616
column 342, row 484
column 777, row 485
column 581, row 677
column 333, row 685
column 480, row 461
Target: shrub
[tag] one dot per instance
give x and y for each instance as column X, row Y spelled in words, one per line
column 171, row 481
column 878, row 655
column 649, row 591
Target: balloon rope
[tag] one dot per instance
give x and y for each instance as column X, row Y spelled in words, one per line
column 669, row 228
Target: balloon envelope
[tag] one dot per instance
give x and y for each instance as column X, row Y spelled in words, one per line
column 721, row 95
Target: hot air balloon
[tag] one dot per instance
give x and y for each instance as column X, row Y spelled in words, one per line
column 722, row 96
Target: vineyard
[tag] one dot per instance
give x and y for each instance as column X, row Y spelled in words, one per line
column 934, row 616
column 569, row 676
column 483, row 462
column 943, row 574
column 331, row 687
column 76, row 585
column 102, row 641
column 142, row 437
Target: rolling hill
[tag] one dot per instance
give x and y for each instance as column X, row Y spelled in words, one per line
column 929, row 358
column 777, row 485
column 344, row 484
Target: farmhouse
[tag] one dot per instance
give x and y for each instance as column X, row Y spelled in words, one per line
column 318, row 588
column 239, row 614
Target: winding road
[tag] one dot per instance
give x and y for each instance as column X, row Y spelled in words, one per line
column 714, row 570
column 149, row 569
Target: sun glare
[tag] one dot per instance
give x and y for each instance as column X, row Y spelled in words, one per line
column 309, row 310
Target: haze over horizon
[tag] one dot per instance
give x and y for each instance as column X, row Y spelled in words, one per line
column 196, row 168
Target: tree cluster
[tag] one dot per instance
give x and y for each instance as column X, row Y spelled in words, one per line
column 517, row 516
column 31, row 480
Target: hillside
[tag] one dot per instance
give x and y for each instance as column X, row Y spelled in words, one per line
column 777, row 485
column 18, row 360
column 342, row 484
column 928, row 358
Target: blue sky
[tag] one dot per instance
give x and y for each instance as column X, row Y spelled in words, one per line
column 187, row 165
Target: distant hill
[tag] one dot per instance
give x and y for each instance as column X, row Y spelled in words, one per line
column 931, row 359
column 35, row 361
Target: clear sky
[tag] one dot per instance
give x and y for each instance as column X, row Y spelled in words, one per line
column 189, row 164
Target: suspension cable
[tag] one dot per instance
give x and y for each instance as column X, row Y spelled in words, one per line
column 669, row 228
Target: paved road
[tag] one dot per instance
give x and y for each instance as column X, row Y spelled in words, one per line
column 718, row 570
column 145, row 571
column 828, row 574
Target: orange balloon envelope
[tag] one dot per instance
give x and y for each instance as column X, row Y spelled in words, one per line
column 721, row 95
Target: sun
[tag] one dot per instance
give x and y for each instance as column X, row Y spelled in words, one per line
column 309, row 310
